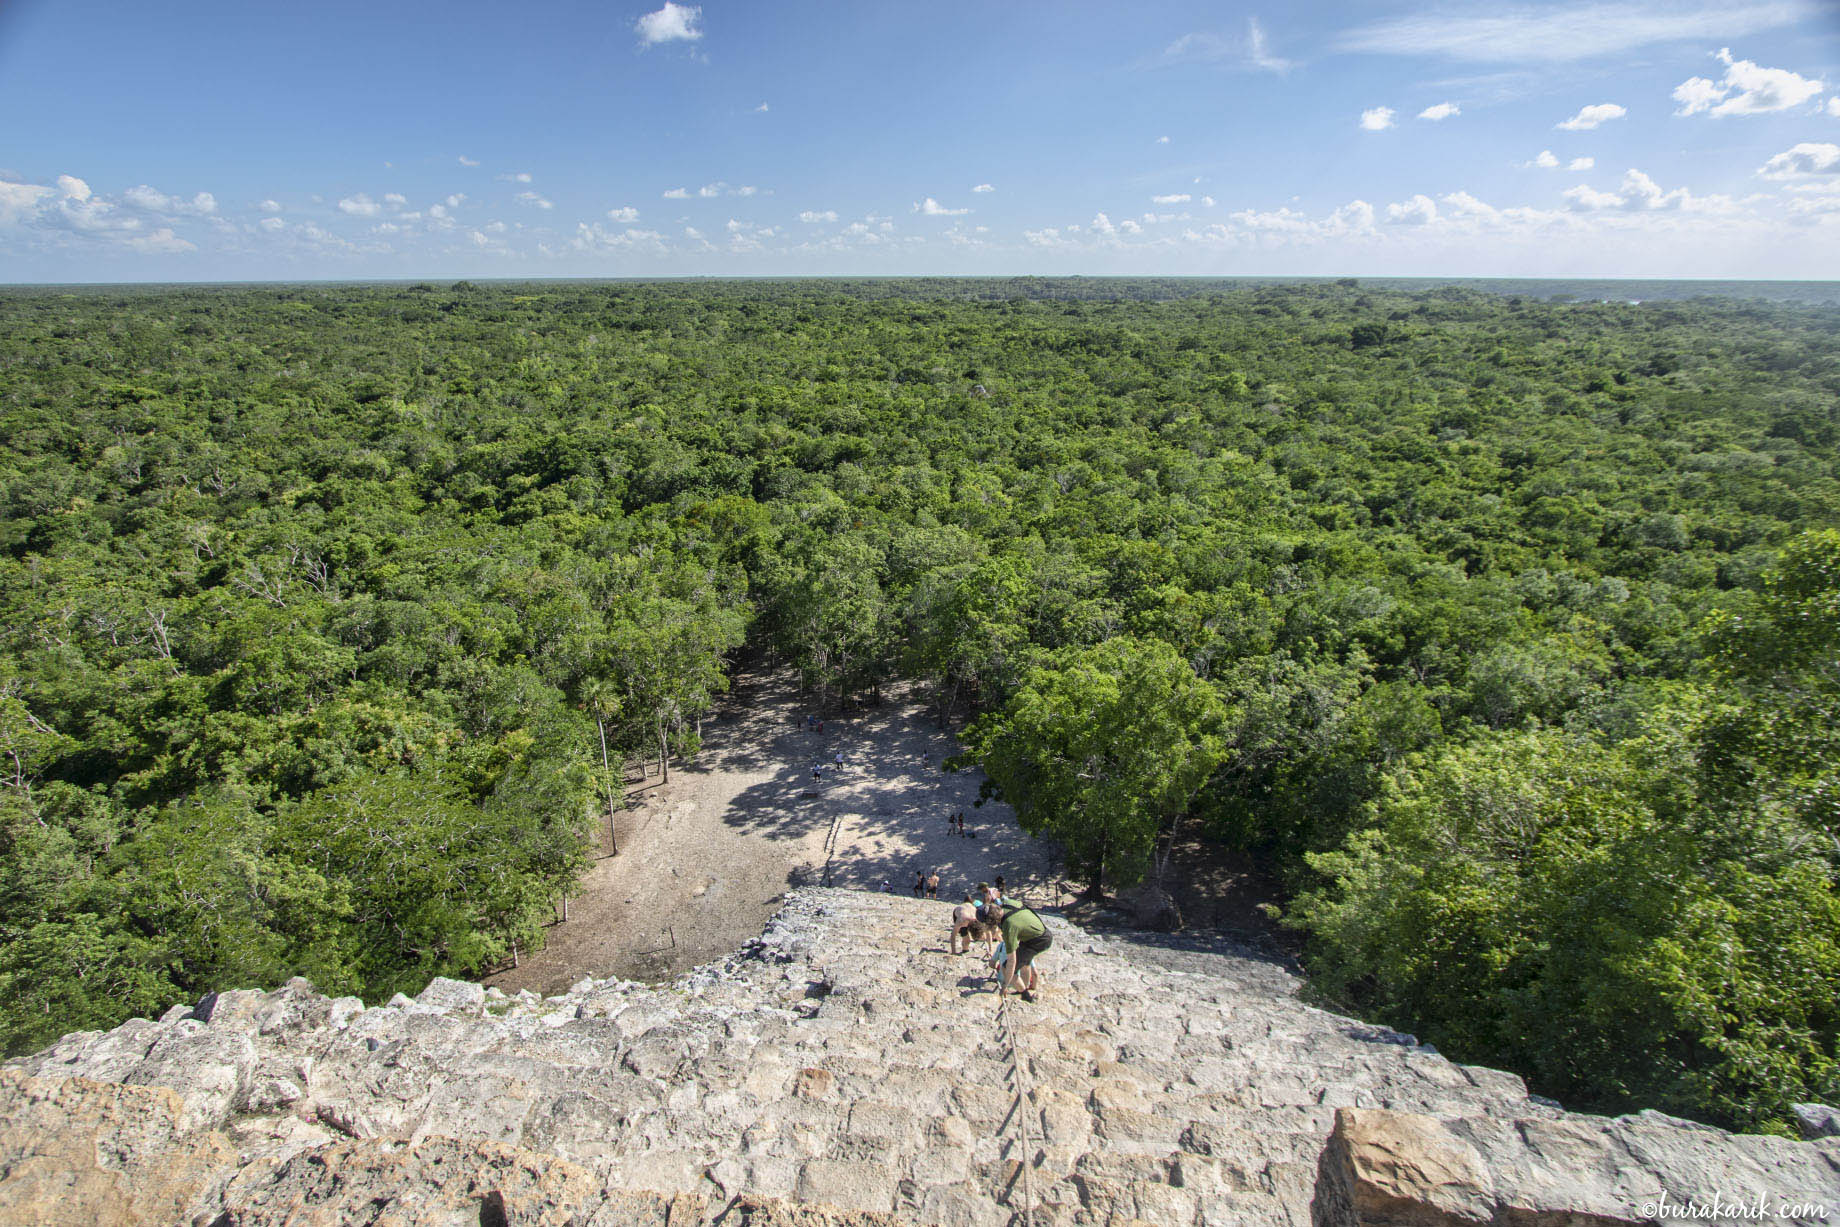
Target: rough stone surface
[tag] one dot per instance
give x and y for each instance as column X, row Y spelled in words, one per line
column 840, row 1069
column 1395, row 1169
column 1817, row 1119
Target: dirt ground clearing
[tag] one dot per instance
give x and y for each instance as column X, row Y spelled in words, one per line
column 705, row 859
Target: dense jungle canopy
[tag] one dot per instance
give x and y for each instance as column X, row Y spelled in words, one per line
column 1505, row 630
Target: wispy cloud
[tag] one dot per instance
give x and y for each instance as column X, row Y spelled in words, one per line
column 466, row 161
column 1253, row 51
column 626, row 214
column 533, row 200
column 1441, row 110
column 983, row 187
column 1566, row 32
column 671, row 24
column 1377, row 119
column 1175, row 198
column 815, row 216
column 360, row 205
column 514, row 176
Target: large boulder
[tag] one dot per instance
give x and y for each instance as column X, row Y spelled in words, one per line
column 1398, row 1169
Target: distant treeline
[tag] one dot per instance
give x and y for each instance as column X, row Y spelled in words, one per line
column 1506, row 630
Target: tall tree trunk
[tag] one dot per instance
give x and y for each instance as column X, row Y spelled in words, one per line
column 613, row 836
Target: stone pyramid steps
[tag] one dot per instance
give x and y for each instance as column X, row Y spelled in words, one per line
column 842, row 1060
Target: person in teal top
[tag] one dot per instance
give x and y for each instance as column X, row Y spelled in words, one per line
column 1024, row 936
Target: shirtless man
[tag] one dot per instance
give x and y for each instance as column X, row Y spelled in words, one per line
column 964, row 924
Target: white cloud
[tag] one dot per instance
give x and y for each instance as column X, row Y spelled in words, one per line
column 17, row 200
column 1418, row 211
column 983, row 187
column 626, row 215
column 1208, row 201
column 360, row 205
column 1161, row 140
column 1566, row 32
column 1745, row 89
column 1593, row 115
column 710, row 189
column 1804, row 159
column 1546, row 161
column 1102, row 224
column 1833, row 106
column 73, row 187
column 761, row 109
column 456, row 200
column 1374, row 119
column 154, row 201
column 466, row 161
column 1175, row 198
column 598, row 238
column 1584, row 198
column 1462, row 204
column 932, row 208
column 270, row 206
column 747, row 189
column 672, row 23
column 813, row 217
column 1441, row 110
column 495, row 227
column 533, row 200
column 1639, row 194
column 677, row 193
column 520, row 176
column 271, row 224
column 395, row 200
column 160, row 242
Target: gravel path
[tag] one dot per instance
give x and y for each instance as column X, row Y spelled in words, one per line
column 705, row 859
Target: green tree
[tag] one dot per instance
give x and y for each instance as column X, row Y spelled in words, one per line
column 1102, row 749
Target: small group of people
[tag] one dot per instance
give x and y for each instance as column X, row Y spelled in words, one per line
column 956, row 825
column 926, row 885
column 813, row 724
column 819, row 768
column 1013, row 934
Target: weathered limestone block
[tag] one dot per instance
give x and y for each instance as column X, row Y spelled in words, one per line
column 99, row 1154
column 444, row 996
column 1390, row 1169
column 846, row 1185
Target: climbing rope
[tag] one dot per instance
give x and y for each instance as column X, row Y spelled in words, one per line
column 1025, row 1106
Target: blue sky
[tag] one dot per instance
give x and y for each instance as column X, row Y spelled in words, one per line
column 230, row 141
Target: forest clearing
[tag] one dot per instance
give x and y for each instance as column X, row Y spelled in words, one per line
column 706, row 858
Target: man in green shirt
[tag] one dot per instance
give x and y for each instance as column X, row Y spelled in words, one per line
column 1024, row 936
